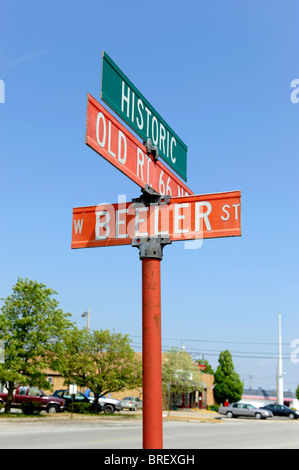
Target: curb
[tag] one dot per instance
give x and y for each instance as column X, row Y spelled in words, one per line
column 192, row 416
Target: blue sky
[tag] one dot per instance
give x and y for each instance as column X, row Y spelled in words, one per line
column 219, row 73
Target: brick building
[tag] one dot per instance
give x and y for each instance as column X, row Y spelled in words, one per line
column 195, row 399
column 199, row 399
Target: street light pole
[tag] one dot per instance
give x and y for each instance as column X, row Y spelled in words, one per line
column 86, row 314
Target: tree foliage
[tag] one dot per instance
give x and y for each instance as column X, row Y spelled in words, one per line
column 227, row 382
column 99, row 360
column 179, row 374
column 31, row 327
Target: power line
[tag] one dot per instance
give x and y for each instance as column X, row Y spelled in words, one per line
column 216, row 341
column 236, row 354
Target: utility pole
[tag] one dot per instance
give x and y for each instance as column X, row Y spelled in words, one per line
column 279, row 368
column 250, row 378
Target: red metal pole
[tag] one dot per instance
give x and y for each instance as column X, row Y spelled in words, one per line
column 152, row 354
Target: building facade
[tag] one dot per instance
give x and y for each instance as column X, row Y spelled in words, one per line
column 260, row 397
column 199, row 399
column 196, row 399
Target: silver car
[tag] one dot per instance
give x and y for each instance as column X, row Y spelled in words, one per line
column 133, row 403
column 236, row 410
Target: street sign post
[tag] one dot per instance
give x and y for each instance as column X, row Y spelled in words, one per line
column 150, row 226
column 125, row 99
column 118, row 146
column 184, row 218
column 167, row 211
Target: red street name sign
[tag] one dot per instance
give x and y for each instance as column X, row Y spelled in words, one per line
column 184, row 218
column 118, row 146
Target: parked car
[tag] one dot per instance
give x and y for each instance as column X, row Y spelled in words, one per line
column 110, row 405
column 133, row 403
column 243, row 409
column 79, row 398
column 34, row 395
column 281, row 410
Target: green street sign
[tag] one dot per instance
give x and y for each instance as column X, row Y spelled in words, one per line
column 118, row 92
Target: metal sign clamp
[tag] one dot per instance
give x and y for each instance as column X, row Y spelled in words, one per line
column 151, row 247
column 153, row 149
column 150, row 196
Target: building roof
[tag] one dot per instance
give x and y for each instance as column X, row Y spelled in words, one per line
column 266, row 394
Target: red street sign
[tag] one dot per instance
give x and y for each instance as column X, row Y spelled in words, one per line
column 118, row 146
column 184, row 218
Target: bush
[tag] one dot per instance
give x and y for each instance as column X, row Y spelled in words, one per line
column 213, row 407
column 30, row 408
column 82, row 408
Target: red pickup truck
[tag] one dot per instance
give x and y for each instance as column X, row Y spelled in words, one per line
column 33, row 394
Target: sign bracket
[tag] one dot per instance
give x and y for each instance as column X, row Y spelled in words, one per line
column 151, row 149
column 150, row 196
column 151, row 247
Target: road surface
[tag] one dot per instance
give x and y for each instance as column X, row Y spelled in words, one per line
column 73, row 434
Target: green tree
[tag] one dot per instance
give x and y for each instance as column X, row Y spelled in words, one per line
column 297, row 392
column 99, row 360
column 31, row 326
column 179, row 375
column 227, row 382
